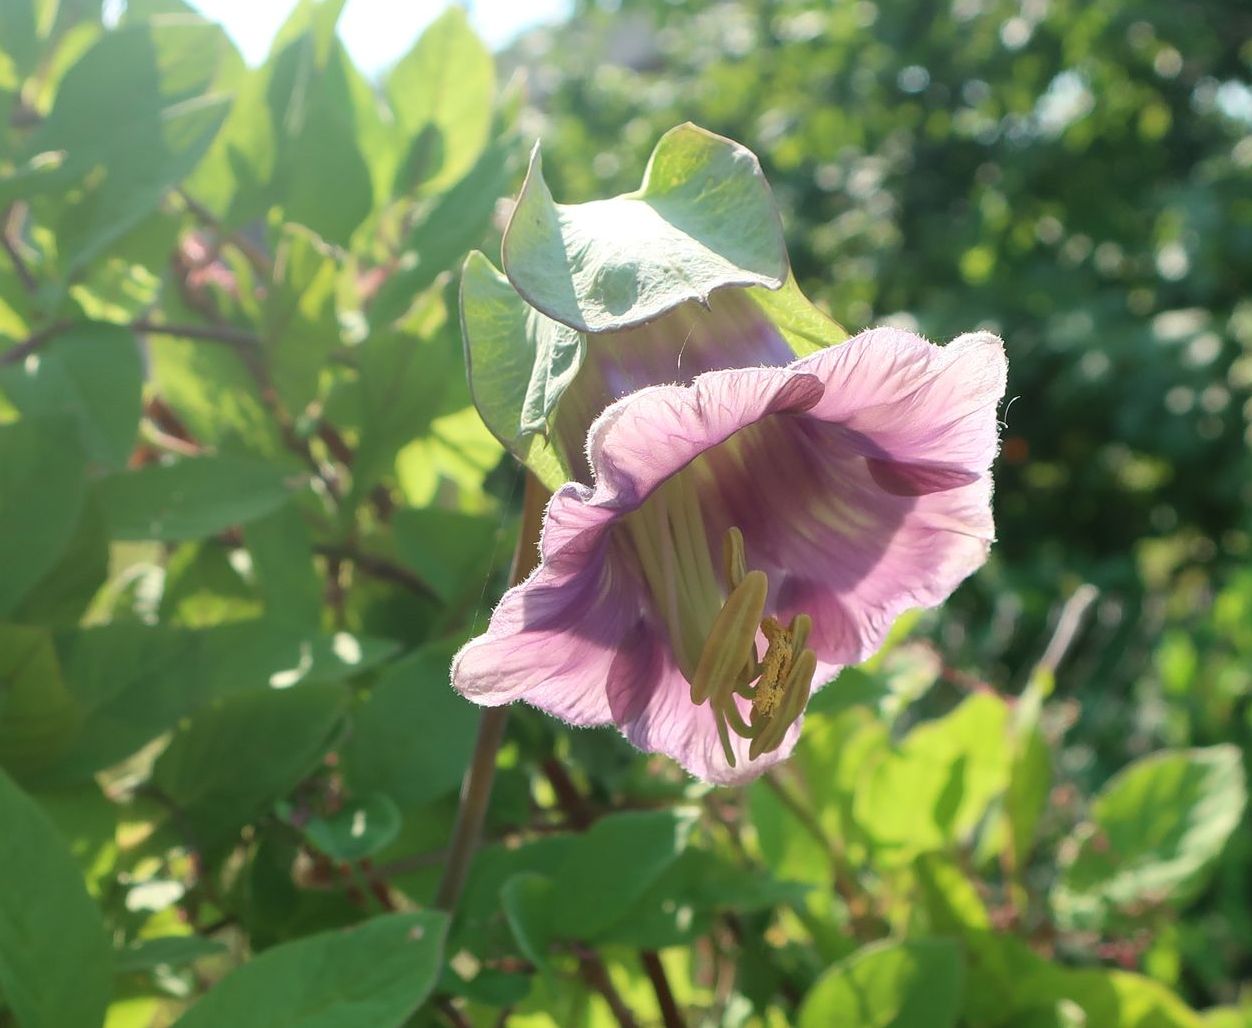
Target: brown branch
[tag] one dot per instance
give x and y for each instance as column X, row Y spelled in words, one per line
column 33, row 342
column 568, row 797
column 7, row 239
column 596, row 975
column 240, row 339
column 450, row 1011
column 476, row 785
column 671, row 1015
column 378, row 567
column 226, row 334
column 258, row 258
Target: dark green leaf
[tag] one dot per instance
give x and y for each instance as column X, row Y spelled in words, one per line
column 373, row 976
column 191, row 498
column 359, row 829
column 236, row 757
column 413, row 737
column 39, row 716
column 67, row 588
column 300, row 325
column 450, row 551
column 168, row 950
column 611, row 866
column 134, row 682
column 91, row 375
column 41, row 497
column 282, row 560
column 55, row 962
column 444, row 228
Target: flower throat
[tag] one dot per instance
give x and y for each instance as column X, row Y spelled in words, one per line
column 713, row 622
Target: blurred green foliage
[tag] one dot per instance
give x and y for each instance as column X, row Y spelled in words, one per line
column 248, row 512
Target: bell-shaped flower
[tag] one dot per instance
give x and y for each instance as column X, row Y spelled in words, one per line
column 735, row 524
column 745, row 536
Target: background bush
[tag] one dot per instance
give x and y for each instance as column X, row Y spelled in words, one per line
column 247, row 513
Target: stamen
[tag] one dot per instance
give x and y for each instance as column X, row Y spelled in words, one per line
column 795, row 693
column 729, row 665
column 728, row 648
column 733, row 556
column 774, row 668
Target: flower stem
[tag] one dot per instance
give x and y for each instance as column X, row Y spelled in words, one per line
column 476, row 786
column 475, row 793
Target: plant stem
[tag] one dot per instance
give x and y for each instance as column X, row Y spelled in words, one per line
column 671, row 1015
column 596, row 975
column 476, row 786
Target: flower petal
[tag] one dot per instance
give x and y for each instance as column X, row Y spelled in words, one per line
column 553, row 639
column 644, row 438
column 651, row 702
column 906, row 400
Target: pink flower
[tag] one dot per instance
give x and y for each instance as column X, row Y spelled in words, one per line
column 744, row 537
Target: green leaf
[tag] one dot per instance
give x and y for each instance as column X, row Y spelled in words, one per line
column 519, row 363
column 951, row 769
column 87, row 820
column 1009, row 984
column 450, row 551
column 412, row 738
column 55, row 962
column 132, row 117
column 1156, row 830
column 359, row 829
column 443, row 229
column 90, row 374
column 41, row 497
column 190, row 498
column 299, row 322
column 168, row 950
column 948, row 898
column 67, row 588
column 679, row 906
column 203, row 588
column 39, row 716
column 703, row 219
column 527, row 900
column 914, row 984
column 212, row 391
column 134, row 682
column 293, row 138
column 405, row 372
column 611, row 866
column 282, row 560
column 130, row 683
column 372, row 976
column 441, row 93
column 236, row 757
column 1030, row 781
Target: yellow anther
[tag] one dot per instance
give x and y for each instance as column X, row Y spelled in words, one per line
column 727, row 651
column 795, row 696
column 775, row 668
column 729, row 666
